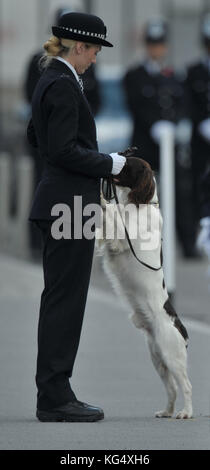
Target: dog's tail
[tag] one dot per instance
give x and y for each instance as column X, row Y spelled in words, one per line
column 177, row 322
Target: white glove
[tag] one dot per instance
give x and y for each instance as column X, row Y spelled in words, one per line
column 118, row 163
column 158, row 128
column 204, row 129
column 183, row 131
column 203, row 240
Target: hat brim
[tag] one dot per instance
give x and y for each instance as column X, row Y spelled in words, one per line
column 79, row 37
column 162, row 40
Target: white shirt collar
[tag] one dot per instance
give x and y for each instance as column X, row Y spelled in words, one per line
column 153, row 67
column 68, row 65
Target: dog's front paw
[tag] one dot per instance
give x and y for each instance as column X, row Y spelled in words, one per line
column 163, row 414
column 184, row 414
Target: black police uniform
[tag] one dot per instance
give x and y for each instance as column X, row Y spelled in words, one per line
column 63, row 127
column 151, row 97
column 204, row 195
column 92, row 93
column 198, row 88
column 90, row 82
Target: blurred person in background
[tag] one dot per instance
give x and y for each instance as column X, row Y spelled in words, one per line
column 198, row 90
column 32, row 76
column 204, row 213
column 64, row 129
column 154, row 94
column 203, row 239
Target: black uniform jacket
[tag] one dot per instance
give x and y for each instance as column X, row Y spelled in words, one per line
column 90, row 82
column 63, row 128
column 198, row 89
column 151, row 98
column 198, row 82
column 205, row 194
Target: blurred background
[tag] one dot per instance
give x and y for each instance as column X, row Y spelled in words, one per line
column 157, row 74
column 26, row 25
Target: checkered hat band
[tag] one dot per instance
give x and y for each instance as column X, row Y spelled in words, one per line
column 84, row 33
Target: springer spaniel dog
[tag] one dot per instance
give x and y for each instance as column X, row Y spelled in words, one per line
column 143, row 285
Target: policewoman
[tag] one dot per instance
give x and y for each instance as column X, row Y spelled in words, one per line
column 63, row 128
column 155, row 96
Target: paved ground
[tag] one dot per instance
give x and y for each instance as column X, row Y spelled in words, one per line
column 113, row 368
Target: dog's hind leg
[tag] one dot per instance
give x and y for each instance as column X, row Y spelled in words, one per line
column 180, row 374
column 176, row 361
column 171, row 389
column 168, row 380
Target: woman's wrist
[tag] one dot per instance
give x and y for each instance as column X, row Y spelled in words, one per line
column 118, row 162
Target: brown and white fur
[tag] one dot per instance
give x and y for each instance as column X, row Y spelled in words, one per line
column 143, row 288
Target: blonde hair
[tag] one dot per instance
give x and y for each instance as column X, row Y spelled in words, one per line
column 55, row 47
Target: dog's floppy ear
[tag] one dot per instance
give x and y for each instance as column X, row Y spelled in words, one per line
column 144, row 188
column 130, row 152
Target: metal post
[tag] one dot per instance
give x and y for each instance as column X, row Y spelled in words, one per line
column 42, row 20
column 25, row 172
column 1, row 71
column 128, row 12
column 167, row 194
column 14, row 230
column 88, row 6
column 206, row 6
column 4, row 198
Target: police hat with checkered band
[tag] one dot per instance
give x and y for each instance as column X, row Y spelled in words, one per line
column 156, row 31
column 82, row 27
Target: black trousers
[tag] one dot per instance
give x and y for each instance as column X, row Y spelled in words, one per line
column 67, row 268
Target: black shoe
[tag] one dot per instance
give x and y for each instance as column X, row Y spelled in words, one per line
column 73, row 411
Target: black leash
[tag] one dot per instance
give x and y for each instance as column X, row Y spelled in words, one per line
column 107, row 192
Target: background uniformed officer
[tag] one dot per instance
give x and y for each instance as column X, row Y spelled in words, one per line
column 198, row 88
column 154, row 94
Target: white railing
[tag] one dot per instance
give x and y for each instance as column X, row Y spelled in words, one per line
column 14, row 229
column 167, row 196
